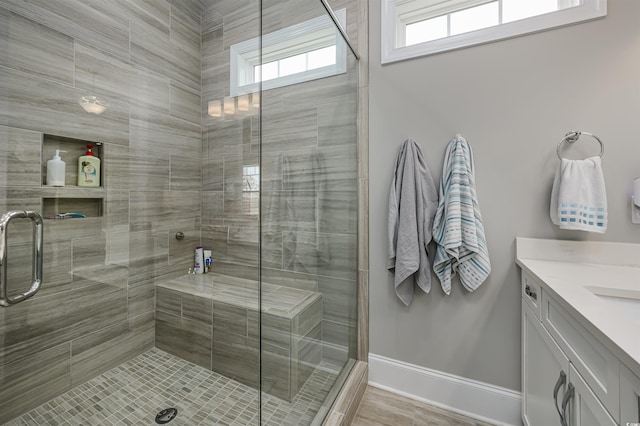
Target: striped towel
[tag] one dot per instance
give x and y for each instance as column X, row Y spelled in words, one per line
column 457, row 227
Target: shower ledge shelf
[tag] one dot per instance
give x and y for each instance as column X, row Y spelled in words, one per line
column 290, row 328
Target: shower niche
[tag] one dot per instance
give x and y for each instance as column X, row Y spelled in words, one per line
column 71, row 198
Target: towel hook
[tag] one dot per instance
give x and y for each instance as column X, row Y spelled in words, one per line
column 571, row 137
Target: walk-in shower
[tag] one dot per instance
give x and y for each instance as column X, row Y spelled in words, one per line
column 225, row 124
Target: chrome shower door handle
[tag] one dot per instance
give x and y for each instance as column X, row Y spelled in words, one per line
column 36, row 269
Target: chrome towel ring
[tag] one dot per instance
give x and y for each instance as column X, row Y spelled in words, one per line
column 571, row 137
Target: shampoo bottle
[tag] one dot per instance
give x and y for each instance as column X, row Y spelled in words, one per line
column 89, row 169
column 56, row 170
column 199, row 260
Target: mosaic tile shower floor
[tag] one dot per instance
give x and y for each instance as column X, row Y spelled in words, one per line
column 134, row 392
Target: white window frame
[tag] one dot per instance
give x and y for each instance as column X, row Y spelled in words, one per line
column 294, row 40
column 393, row 29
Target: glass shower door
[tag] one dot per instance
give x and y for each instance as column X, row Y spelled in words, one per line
column 309, row 203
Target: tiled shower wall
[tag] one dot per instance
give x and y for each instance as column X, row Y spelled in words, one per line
column 96, row 306
column 308, row 141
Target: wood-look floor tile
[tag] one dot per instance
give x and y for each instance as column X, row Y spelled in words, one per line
column 379, row 407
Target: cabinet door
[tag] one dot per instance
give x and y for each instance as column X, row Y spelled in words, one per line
column 542, row 362
column 584, row 408
column 629, row 397
column 598, row 366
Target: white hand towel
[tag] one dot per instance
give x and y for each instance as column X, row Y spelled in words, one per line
column 578, row 196
column 412, row 204
column 457, row 227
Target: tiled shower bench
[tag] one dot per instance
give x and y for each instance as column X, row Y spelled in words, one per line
column 213, row 320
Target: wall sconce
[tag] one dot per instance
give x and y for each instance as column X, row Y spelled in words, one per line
column 214, row 109
column 635, row 201
column 93, row 104
column 230, row 107
column 243, row 103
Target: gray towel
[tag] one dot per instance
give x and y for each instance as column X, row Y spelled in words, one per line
column 413, row 200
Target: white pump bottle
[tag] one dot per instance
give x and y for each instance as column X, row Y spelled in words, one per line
column 56, row 170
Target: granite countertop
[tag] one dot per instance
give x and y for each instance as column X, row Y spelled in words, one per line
column 277, row 300
column 597, row 282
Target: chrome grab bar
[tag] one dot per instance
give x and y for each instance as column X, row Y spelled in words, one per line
column 36, row 269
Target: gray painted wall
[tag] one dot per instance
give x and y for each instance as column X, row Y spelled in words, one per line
column 513, row 100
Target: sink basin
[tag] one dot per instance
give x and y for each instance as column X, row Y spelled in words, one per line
column 624, row 301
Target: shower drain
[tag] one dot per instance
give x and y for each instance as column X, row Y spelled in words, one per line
column 166, row 415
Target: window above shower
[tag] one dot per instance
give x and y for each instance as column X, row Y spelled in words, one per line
column 413, row 28
column 307, row 51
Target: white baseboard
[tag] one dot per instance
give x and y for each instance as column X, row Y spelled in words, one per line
column 471, row 398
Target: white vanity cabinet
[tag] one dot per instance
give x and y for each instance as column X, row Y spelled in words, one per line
column 629, row 397
column 545, row 371
column 553, row 388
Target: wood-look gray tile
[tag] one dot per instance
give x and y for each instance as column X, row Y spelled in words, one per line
column 33, row 48
column 185, row 104
column 96, row 22
column 241, row 23
column 343, row 249
column 98, row 71
column 383, row 409
column 236, row 357
column 198, row 309
column 212, row 206
column 65, row 229
column 318, row 92
column 89, row 253
column 215, row 76
column 227, row 137
column 230, row 318
column 148, row 253
column 306, row 358
column 118, row 248
column 379, row 407
column 56, row 110
column 211, row 17
column 186, row 173
column 290, row 279
column 192, row 8
column 136, row 169
column 275, row 377
column 290, row 130
column 169, row 301
column 140, row 297
column 34, row 380
column 164, row 134
column 338, row 335
column 181, row 252
column 189, row 340
column 164, row 210
column 337, row 122
column 45, row 322
column 185, row 31
column 110, row 347
column 213, row 173
column 151, row 12
column 116, row 211
column 19, row 157
column 56, row 267
column 308, row 319
column 340, row 299
column 152, row 49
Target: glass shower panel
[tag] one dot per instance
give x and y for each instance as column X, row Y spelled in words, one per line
column 126, row 77
column 309, row 202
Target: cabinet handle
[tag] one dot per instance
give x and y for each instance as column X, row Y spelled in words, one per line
column 530, row 293
column 565, row 402
column 562, row 379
